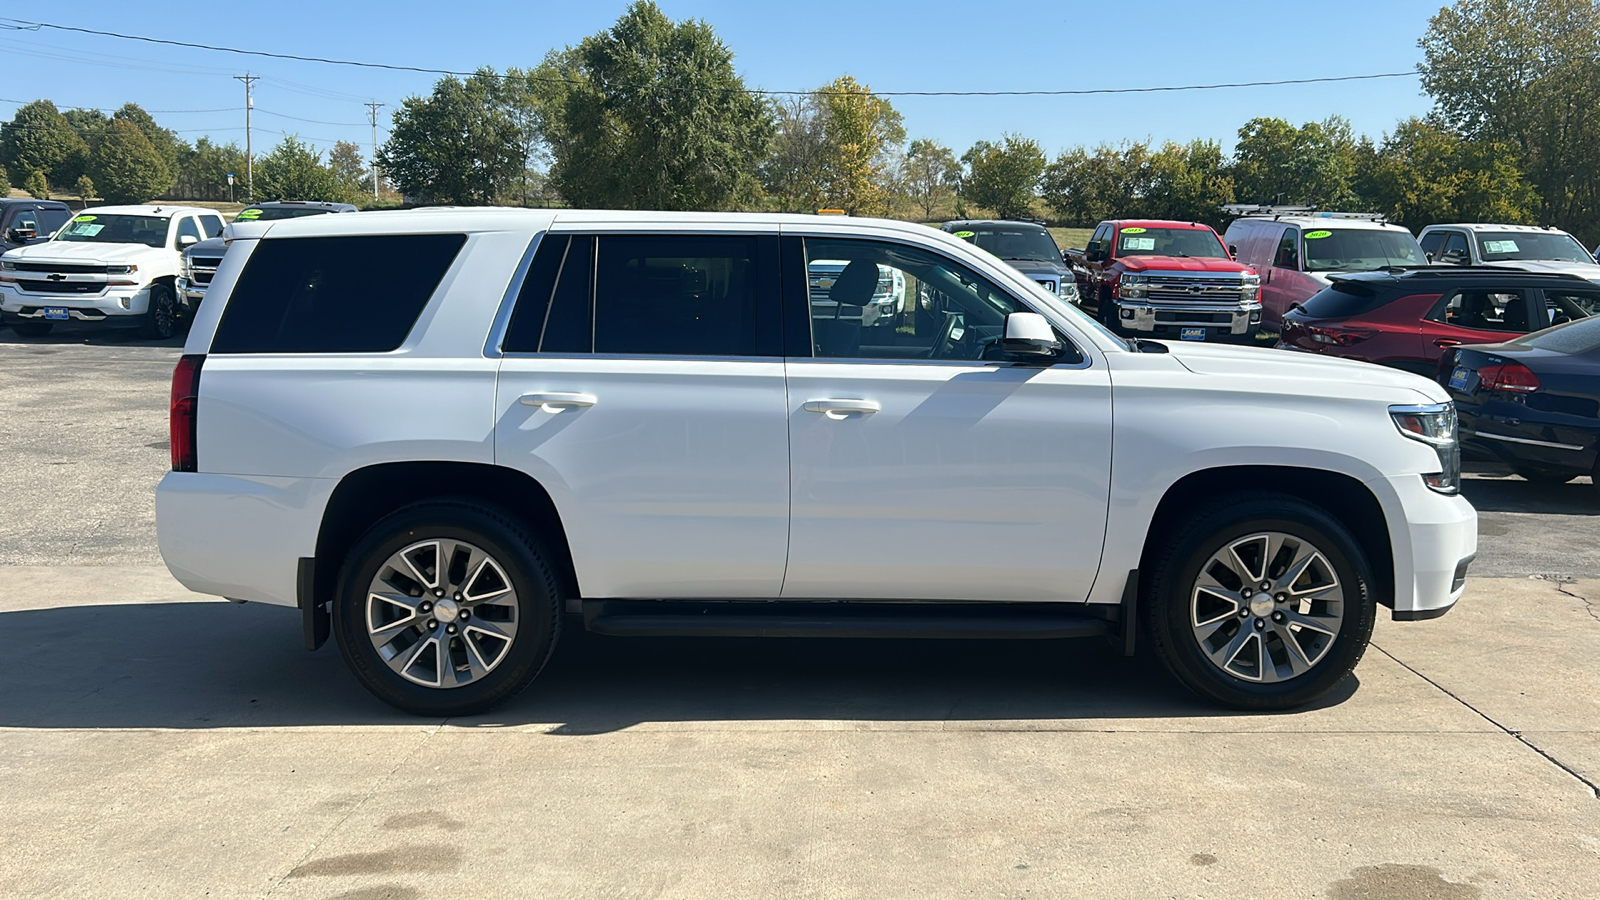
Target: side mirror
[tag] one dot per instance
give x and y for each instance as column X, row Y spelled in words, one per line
column 1429, row 256
column 1233, row 250
column 21, row 235
column 1094, row 251
column 1030, row 337
column 186, row 241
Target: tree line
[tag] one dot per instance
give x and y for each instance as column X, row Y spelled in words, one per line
column 651, row 114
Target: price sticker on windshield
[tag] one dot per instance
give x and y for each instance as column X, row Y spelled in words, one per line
column 249, row 214
column 1500, row 246
column 86, row 229
column 1133, row 231
column 1318, row 235
column 84, row 219
column 963, row 234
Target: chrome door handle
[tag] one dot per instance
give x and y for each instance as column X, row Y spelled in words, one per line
column 838, row 409
column 555, row 401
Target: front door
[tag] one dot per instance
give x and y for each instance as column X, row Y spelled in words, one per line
column 642, row 386
column 1479, row 315
column 923, row 467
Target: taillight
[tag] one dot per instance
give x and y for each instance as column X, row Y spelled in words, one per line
column 1508, row 376
column 182, row 419
column 1343, row 337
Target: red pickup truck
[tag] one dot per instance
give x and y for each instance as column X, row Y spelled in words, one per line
column 1161, row 279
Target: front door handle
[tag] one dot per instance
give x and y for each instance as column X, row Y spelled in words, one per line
column 1446, row 342
column 555, row 401
column 839, row 409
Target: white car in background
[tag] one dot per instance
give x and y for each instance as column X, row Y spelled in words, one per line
column 446, row 435
column 1527, row 247
column 108, row 266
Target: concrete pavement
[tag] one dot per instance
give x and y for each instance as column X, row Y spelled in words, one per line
column 154, row 743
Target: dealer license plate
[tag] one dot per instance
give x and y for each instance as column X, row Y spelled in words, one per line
column 58, row 313
column 1458, row 378
column 1193, row 334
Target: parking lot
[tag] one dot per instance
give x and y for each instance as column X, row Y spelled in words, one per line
column 159, row 743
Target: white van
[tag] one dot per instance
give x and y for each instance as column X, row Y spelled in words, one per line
column 1296, row 248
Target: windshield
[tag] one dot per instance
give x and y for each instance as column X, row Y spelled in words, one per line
column 1013, row 243
column 1495, row 246
column 1170, row 242
column 1359, row 250
column 269, row 213
column 103, row 229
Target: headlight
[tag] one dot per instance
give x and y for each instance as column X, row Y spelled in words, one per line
column 8, row 265
column 1434, row 424
column 121, row 270
column 1250, row 287
column 1132, row 285
column 1067, row 290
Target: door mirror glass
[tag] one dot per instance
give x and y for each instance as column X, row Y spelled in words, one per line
column 1028, row 336
column 1233, row 250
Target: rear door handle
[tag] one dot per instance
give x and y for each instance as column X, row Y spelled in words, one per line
column 555, row 401
column 838, row 409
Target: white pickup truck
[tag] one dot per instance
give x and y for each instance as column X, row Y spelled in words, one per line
column 1527, row 247
column 108, row 266
column 446, row 435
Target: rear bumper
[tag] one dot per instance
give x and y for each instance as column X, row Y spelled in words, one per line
column 240, row 536
column 1434, row 537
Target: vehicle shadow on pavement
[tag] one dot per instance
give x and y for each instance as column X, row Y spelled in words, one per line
column 219, row 665
column 1511, row 494
column 104, row 337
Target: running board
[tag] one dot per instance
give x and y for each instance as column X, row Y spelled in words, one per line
column 739, row 618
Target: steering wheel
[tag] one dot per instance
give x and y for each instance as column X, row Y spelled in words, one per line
column 945, row 346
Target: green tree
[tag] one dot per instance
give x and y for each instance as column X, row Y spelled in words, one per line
column 860, row 130
column 1003, row 177
column 37, row 185
column 126, row 167
column 89, row 124
column 293, row 171
column 166, row 142
column 1275, row 162
column 1189, row 182
column 930, row 175
column 39, row 139
column 1425, row 173
column 456, row 145
column 85, row 188
column 792, row 172
column 652, row 115
column 349, row 171
column 5, row 183
column 523, row 94
column 1083, row 187
column 1524, row 74
column 203, row 171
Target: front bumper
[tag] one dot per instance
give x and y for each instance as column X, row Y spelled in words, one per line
column 112, row 306
column 1434, row 537
column 191, row 293
column 1144, row 317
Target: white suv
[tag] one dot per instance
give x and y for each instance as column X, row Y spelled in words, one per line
column 439, row 432
column 111, row 265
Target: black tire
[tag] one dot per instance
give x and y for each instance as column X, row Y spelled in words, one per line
column 531, row 575
column 1170, row 588
column 32, row 329
column 161, row 319
column 1544, row 476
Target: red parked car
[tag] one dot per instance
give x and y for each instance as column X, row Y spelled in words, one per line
column 1407, row 318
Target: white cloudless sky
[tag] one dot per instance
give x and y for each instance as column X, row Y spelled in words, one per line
column 891, row 46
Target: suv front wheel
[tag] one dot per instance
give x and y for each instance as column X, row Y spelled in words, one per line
column 447, row 608
column 1261, row 602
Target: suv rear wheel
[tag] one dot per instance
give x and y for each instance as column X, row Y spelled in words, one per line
column 447, row 608
column 1261, row 602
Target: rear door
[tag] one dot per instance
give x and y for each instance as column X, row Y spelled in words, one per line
column 924, row 467
column 642, row 384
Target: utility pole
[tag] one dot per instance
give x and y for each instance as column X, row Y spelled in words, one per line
column 249, row 160
column 372, row 110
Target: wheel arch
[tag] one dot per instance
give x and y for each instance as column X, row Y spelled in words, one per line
column 366, row 495
column 1342, row 496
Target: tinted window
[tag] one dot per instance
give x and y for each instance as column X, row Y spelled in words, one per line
column 686, row 295
column 52, row 219
column 188, row 227
column 1431, row 241
column 1013, row 242
column 333, row 294
column 1287, row 255
column 1344, row 299
column 537, row 325
column 212, row 225
column 874, row 300
column 1486, row 310
column 1455, row 249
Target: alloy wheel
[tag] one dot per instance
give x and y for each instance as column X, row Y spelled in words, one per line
column 442, row 613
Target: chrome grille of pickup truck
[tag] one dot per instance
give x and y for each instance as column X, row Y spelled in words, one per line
column 1201, row 289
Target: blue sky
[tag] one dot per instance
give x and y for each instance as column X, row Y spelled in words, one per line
column 934, row 45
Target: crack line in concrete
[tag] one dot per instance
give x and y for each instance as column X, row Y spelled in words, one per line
column 317, row 844
column 1561, row 585
column 1594, row 791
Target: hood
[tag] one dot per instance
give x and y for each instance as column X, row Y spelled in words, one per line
column 1181, row 264
column 1039, row 267
column 71, row 252
column 1551, row 267
column 1306, row 373
column 209, row 247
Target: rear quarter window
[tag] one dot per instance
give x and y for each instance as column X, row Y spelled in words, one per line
column 1345, row 299
column 333, row 294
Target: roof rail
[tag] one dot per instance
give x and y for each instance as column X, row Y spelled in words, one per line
column 1250, row 210
column 1445, row 270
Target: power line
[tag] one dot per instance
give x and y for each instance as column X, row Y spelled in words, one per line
column 771, row 93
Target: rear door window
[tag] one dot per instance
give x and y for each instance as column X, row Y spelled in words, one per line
column 334, row 294
column 1489, row 309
